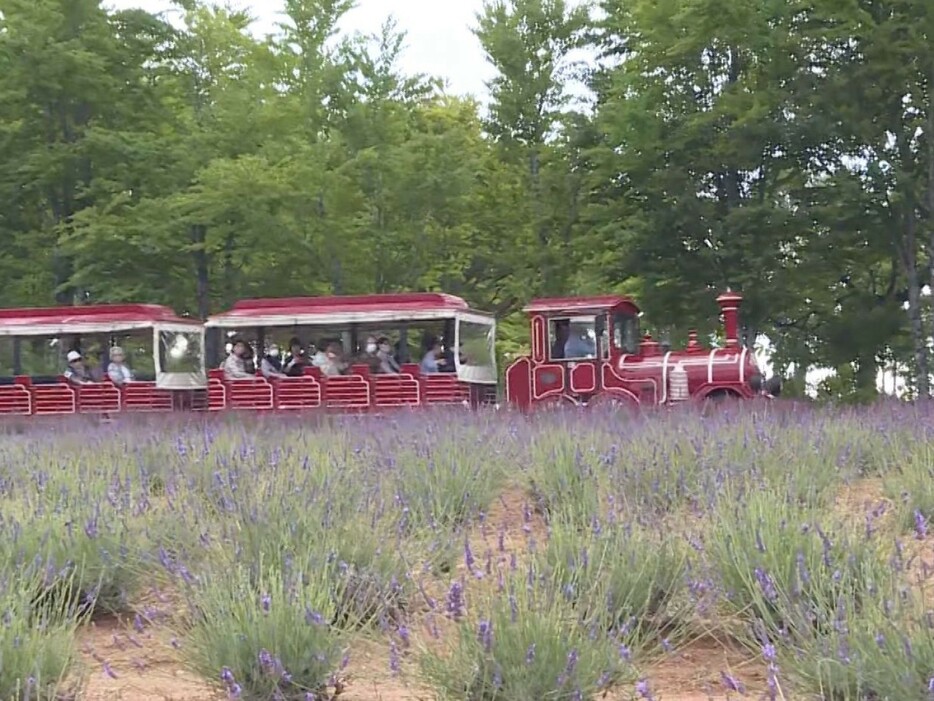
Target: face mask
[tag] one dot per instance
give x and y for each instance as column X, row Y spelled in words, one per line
column 273, row 352
column 331, row 356
column 370, row 347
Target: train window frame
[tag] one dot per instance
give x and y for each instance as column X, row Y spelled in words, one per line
column 592, row 320
column 619, row 342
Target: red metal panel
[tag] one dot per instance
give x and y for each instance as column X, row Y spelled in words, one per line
column 217, row 395
column 48, row 400
column 249, row 394
column 98, row 398
column 92, row 313
column 297, row 393
column 346, row 392
column 300, row 306
column 144, row 397
column 15, row 400
column 444, row 388
column 572, row 305
column 539, row 339
column 519, row 383
column 395, row 390
column 583, row 378
column 547, row 380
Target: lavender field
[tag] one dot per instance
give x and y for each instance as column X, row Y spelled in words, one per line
column 774, row 551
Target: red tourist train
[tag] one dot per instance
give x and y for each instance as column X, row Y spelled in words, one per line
column 589, row 350
column 583, row 351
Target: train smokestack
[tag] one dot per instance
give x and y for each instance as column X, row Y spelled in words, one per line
column 729, row 306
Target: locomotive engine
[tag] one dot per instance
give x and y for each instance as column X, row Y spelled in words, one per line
column 589, row 350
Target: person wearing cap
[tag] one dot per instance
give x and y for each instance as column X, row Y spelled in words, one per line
column 117, row 370
column 76, row 373
column 235, row 365
column 271, row 365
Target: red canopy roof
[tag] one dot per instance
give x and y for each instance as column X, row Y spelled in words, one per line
column 572, row 305
column 341, row 309
column 91, row 318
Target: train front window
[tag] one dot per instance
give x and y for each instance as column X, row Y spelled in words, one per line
column 626, row 332
column 574, row 338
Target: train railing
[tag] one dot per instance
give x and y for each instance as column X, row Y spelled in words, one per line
column 15, row 400
column 50, row 396
column 444, row 388
column 358, row 391
column 296, row 393
column 145, row 397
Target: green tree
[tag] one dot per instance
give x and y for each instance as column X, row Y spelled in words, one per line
column 532, row 45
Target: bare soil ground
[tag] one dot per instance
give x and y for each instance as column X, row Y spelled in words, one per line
column 127, row 665
column 151, row 669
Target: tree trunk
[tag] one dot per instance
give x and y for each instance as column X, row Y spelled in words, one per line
column 929, row 128
column 200, row 254
column 909, row 256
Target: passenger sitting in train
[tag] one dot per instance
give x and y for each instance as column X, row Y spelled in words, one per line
column 568, row 345
column 369, row 356
column 117, row 370
column 249, row 360
column 449, row 365
column 271, row 364
column 432, row 362
column 388, row 365
column 235, row 367
column 296, row 360
column 76, row 373
column 334, row 364
column 320, row 358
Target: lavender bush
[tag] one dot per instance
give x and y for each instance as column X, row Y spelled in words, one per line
column 268, row 636
column 783, row 565
column 296, row 534
column 622, row 578
column 37, row 637
column 525, row 643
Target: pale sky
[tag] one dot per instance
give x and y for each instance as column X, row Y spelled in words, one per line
column 438, row 37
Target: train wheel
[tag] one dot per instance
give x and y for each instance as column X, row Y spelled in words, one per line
column 551, row 404
column 614, row 401
column 718, row 400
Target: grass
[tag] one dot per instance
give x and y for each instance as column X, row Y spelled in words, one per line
column 289, row 543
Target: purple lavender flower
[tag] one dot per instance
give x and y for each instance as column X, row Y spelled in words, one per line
column 642, row 688
column 731, row 683
column 766, row 584
column 454, row 603
column 485, row 634
column 395, row 663
column 921, row 525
